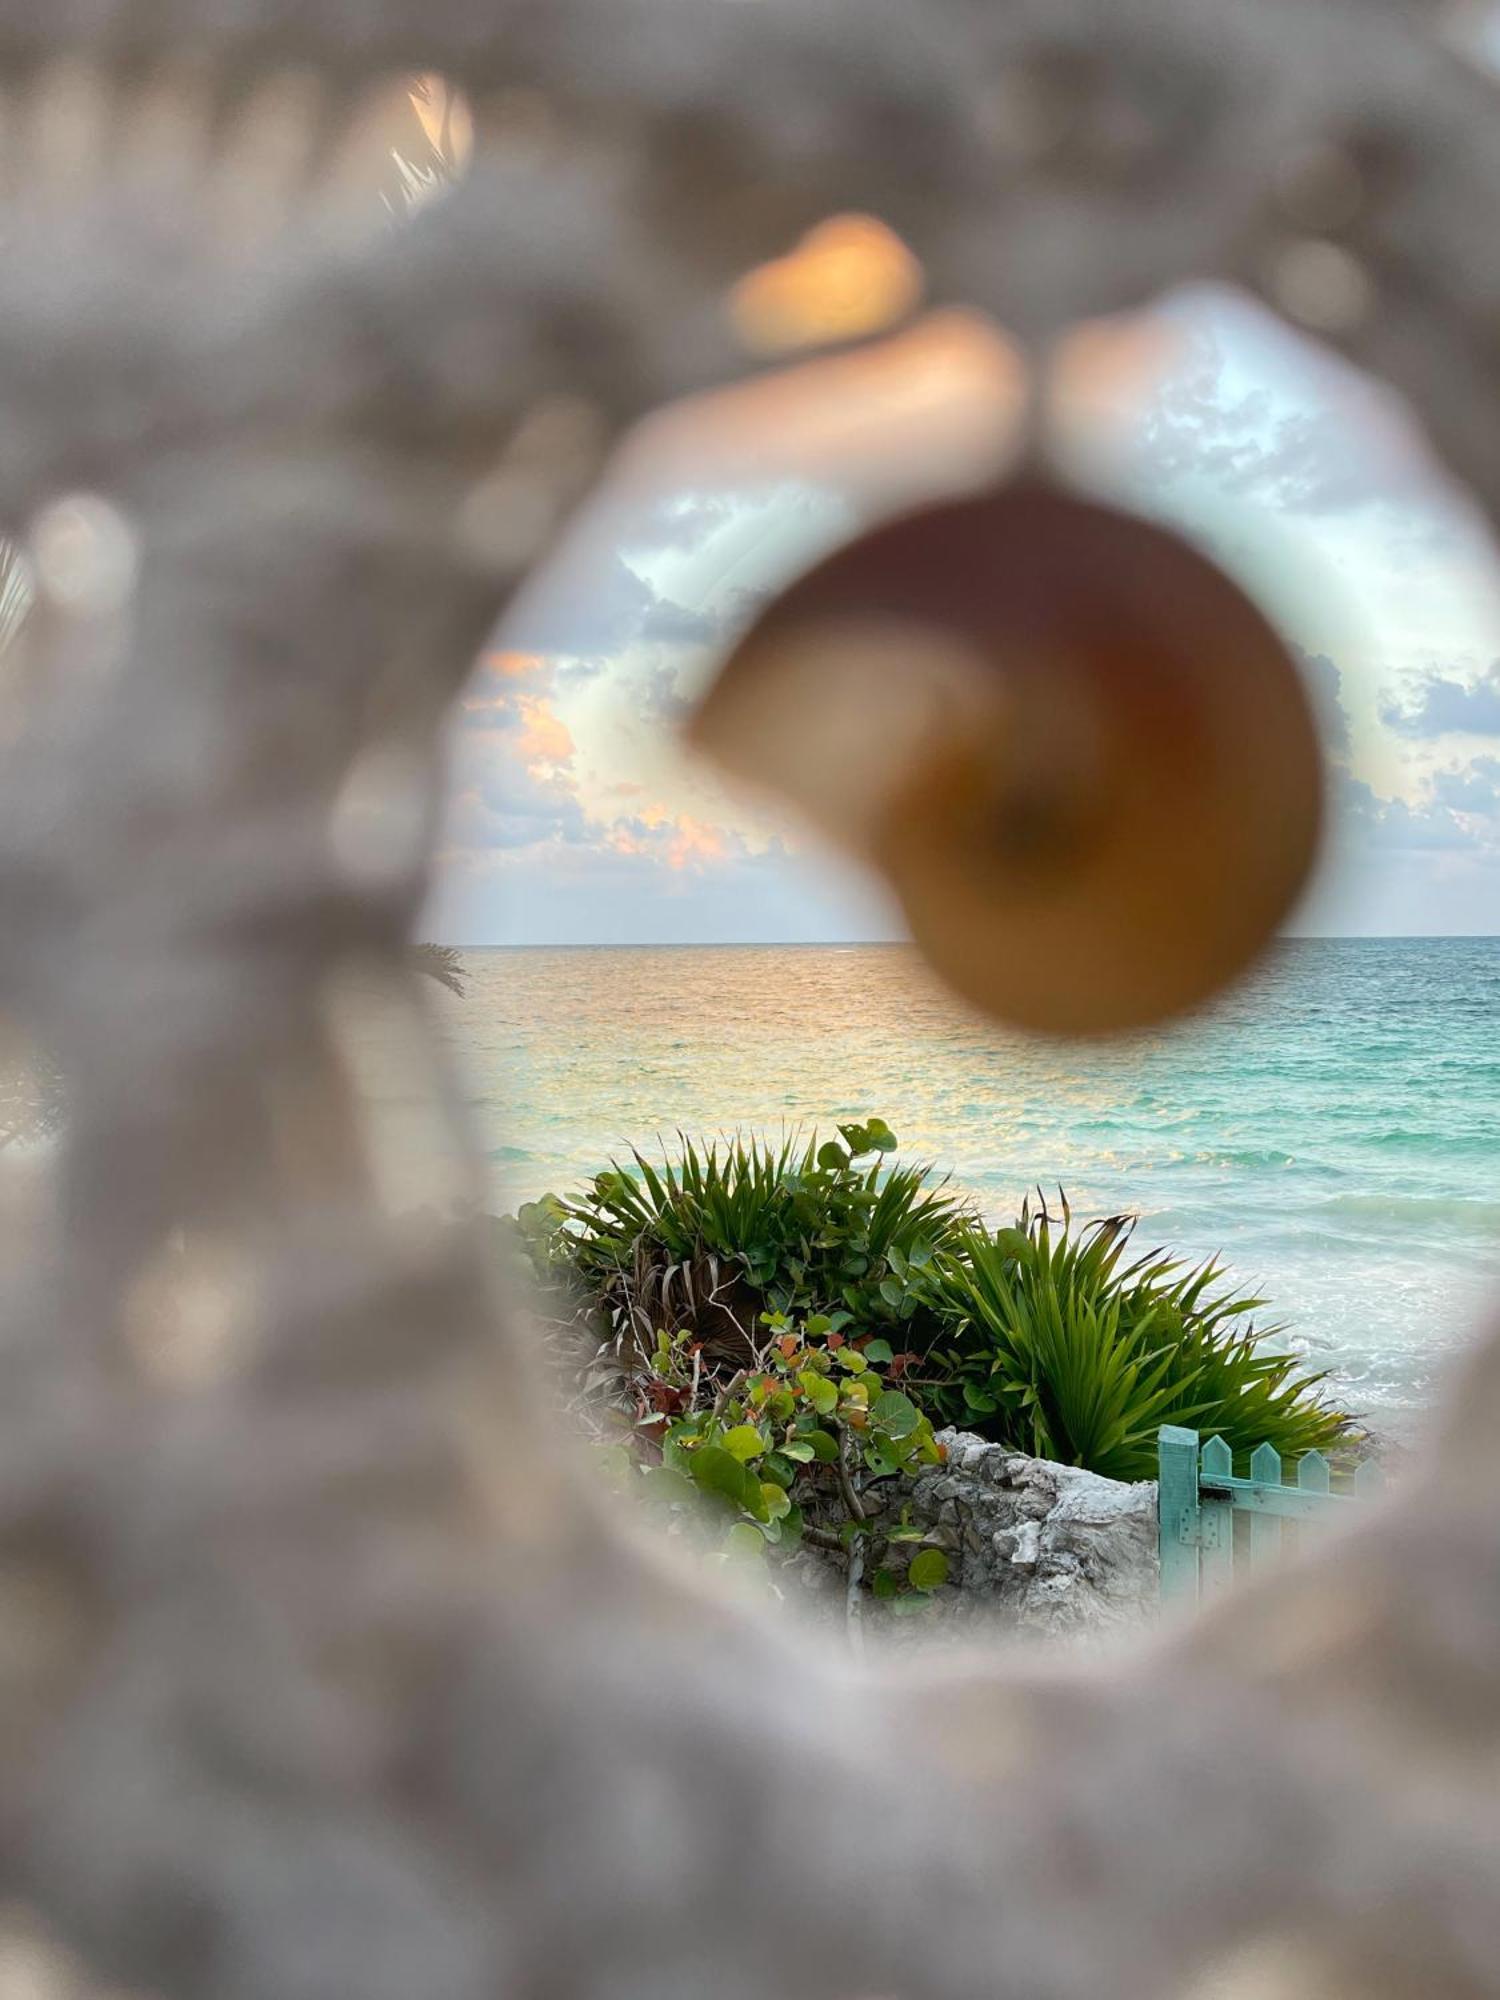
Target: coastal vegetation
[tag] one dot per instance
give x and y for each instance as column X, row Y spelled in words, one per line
column 786, row 1449
column 800, row 1313
column 442, row 963
column 708, row 1240
column 1060, row 1343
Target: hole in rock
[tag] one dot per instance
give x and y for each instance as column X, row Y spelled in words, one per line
column 647, row 954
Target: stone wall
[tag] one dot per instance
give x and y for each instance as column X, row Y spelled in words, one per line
column 1035, row 1548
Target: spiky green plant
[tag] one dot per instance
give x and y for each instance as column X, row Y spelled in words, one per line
column 1067, row 1348
column 710, row 1237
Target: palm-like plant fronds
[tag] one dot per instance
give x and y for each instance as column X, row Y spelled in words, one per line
column 709, row 1238
column 1069, row 1351
column 442, row 963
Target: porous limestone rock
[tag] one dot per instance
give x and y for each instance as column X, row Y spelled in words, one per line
column 1041, row 1547
column 1033, row 1547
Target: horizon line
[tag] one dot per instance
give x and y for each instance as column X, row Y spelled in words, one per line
column 907, row 944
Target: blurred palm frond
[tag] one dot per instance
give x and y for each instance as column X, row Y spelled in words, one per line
column 442, row 963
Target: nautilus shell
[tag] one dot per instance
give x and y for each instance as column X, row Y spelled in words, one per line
column 1080, row 755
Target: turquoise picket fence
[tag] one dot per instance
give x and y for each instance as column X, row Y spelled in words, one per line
column 1198, row 1498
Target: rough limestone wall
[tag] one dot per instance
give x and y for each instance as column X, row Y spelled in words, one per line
column 1035, row 1549
column 1045, row 1549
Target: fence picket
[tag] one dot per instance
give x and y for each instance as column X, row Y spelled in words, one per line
column 1265, row 1529
column 1198, row 1496
column 1177, row 1517
column 1312, row 1472
column 1216, row 1564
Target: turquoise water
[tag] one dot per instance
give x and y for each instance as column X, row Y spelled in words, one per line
column 1333, row 1129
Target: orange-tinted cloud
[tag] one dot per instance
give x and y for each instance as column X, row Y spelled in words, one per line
column 511, row 666
column 544, row 738
column 504, row 681
column 514, row 691
column 517, row 787
column 694, row 842
column 677, row 841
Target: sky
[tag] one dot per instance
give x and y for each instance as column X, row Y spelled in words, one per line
column 577, row 817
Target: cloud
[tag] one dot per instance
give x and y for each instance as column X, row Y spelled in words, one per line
column 671, row 624
column 506, row 676
column 1394, row 825
column 1345, row 450
column 512, row 694
column 678, row 841
column 680, row 523
column 1474, row 790
column 629, row 891
column 1443, row 705
column 516, row 811
column 515, row 784
column 593, row 606
column 1423, row 866
column 508, row 796
column 661, row 700
column 1325, row 687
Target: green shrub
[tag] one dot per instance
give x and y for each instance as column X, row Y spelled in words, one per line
column 813, row 1421
column 1062, row 1346
column 1049, row 1336
column 707, row 1241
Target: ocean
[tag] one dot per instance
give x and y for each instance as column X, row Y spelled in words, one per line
column 1331, row 1130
